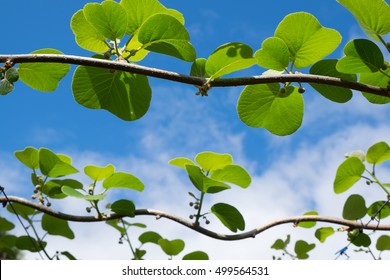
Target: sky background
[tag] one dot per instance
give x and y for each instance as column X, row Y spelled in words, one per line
column 290, row 175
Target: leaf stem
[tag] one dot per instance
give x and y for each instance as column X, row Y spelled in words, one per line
column 198, row 215
column 376, row 180
column 128, row 239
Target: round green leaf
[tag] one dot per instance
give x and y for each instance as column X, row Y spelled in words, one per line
column 123, row 180
column 210, row 161
column 196, row 176
column 52, row 188
column 373, row 15
column 302, row 247
column 29, row 243
column 164, row 34
column 229, row 58
column 213, row 186
column 348, row 173
column 181, row 162
column 125, row 95
column 109, row 18
column 87, row 36
column 361, row 56
column 43, row 76
column 99, row 173
column 308, row 224
column 378, row 153
column 274, row 54
column 197, row 255
column 383, row 243
column 229, row 216
column 6, row 86
column 198, row 68
column 55, row 226
column 278, row 245
column 376, row 79
column 74, row 193
column 384, row 212
column 327, row 67
column 138, row 11
column 5, row 225
column 260, row 106
column 234, row 174
column 29, row 157
column 323, row 233
column 354, row 207
column 149, row 237
column 173, row 247
column 359, row 238
column 52, row 166
column 123, row 207
column 307, row 40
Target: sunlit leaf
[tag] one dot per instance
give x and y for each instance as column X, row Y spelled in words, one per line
column 123, row 180
column 376, row 79
column 323, row 233
column 29, row 157
column 211, row 161
column 51, row 165
column 378, row 153
column 234, row 174
column 198, row 68
column 308, row 224
column 43, row 76
column 181, row 162
column 274, row 54
column 97, row 173
column 348, row 173
column 149, row 237
column 302, row 248
column 307, row 40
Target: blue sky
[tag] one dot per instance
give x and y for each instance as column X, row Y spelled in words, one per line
column 290, row 174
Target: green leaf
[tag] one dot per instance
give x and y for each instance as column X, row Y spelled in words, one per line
column 125, row 95
column 87, row 36
column 203, row 183
column 173, row 247
column 308, row 224
column 197, row 255
column 43, row 76
column 213, row 186
column 280, row 244
column 139, row 254
column 123, row 180
column 323, row 233
column 274, row 54
column 97, row 173
column 164, row 34
column 198, row 68
column 358, row 238
column 114, row 224
column 327, row 67
column 384, row 212
column 29, row 157
column 307, row 40
column 234, row 174
column 29, row 243
column 52, row 166
column 354, row 207
column 302, row 247
column 229, row 216
column 52, row 188
column 181, row 162
column 378, row 153
column 7, row 242
column 361, row 56
column 262, row 106
column 6, row 86
column 74, row 193
column 376, row 79
column 109, row 18
column 228, row 58
column 383, row 243
column 210, row 161
column 348, row 173
column 149, row 237
column 138, row 11
column 5, row 225
column 124, row 207
column 55, row 226
column 22, row 210
column 373, row 16
column 68, row 255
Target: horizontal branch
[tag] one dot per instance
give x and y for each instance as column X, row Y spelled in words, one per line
column 196, row 81
column 160, row 214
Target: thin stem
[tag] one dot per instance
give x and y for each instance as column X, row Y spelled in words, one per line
column 384, row 42
column 376, row 180
column 200, row 208
column 128, row 239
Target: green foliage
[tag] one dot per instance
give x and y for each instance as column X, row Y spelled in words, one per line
column 123, row 207
column 383, row 243
column 43, row 76
column 5, row 225
column 55, row 226
column 302, row 248
column 29, row 157
column 229, row 216
column 380, row 209
column 263, row 106
column 171, row 247
column 123, row 180
column 354, row 207
column 28, row 243
column 308, row 224
column 97, row 173
column 348, row 173
column 274, row 54
column 11, row 75
column 149, row 237
column 53, row 166
column 197, row 255
column 378, row 153
column 323, row 233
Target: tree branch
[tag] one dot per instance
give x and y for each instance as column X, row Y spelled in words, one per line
column 196, row 81
column 160, row 214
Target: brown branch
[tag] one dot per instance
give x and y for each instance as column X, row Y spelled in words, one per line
column 160, row 214
column 196, row 81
